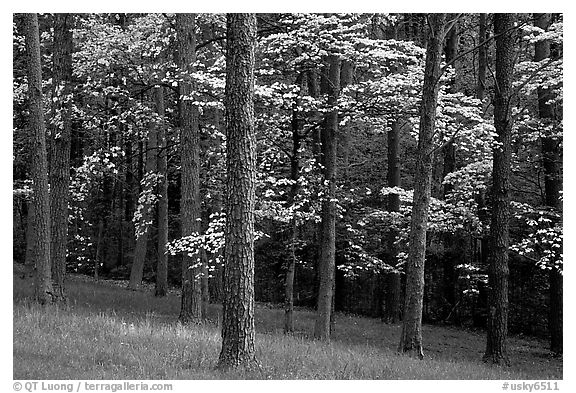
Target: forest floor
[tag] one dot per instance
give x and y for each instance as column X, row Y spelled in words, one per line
column 108, row 332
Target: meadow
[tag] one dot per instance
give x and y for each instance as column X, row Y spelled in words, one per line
column 108, row 332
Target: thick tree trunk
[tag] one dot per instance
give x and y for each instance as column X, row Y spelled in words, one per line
column 238, row 308
column 327, row 261
column 496, row 349
column 191, row 305
column 139, row 261
column 162, row 164
column 551, row 158
column 392, row 308
column 411, row 338
column 60, row 150
column 40, row 236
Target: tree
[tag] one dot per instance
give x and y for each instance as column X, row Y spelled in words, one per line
column 143, row 214
column 295, row 125
column 498, row 272
column 327, row 259
column 238, row 305
column 482, row 57
column 411, row 338
column 392, row 309
column 60, row 149
column 551, row 158
column 162, row 166
column 40, row 236
column 191, row 305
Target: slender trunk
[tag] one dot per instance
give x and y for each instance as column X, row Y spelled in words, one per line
column 191, row 305
column 480, row 88
column 98, row 256
column 551, row 158
column 294, row 174
column 145, row 212
column 40, row 236
column 392, row 309
column 204, row 283
column 162, row 164
column 327, row 261
column 60, row 150
column 450, row 240
column 411, row 338
column 482, row 58
column 238, row 307
column 496, row 349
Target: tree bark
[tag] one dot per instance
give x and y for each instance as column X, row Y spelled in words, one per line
column 162, row 165
column 392, row 309
column 238, row 307
column 551, row 158
column 191, row 304
column 496, row 348
column 40, row 236
column 60, row 150
column 411, row 338
column 327, row 261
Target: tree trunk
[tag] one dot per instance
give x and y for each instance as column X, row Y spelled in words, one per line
column 450, row 240
column 411, row 338
column 40, row 236
column 191, row 305
column 162, row 164
column 551, row 158
column 482, row 58
column 60, row 150
column 496, row 350
column 143, row 226
column 294, row 174
column 98, row 256
column 327, row 260
column 392, row 309
column 238, row 307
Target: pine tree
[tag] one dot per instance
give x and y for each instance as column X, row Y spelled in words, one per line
column 238, row 305
column 498, row 272
column 40, row 236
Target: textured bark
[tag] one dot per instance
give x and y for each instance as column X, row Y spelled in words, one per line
column 238, row 306
column 60, row 150
column 139, row 261
column 496, row 348
column 162, row 165
column 191, row 305
column 294, row 174
column 411, row 338
column 551, row 158
column 482, row 58
column 327, row 260
column 392, row 309
column 40, row 230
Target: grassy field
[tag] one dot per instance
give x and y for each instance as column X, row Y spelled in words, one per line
column 107, row 332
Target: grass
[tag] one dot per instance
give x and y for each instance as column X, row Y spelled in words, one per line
column 107, row 332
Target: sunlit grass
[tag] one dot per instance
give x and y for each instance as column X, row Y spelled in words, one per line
column 107, row 332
